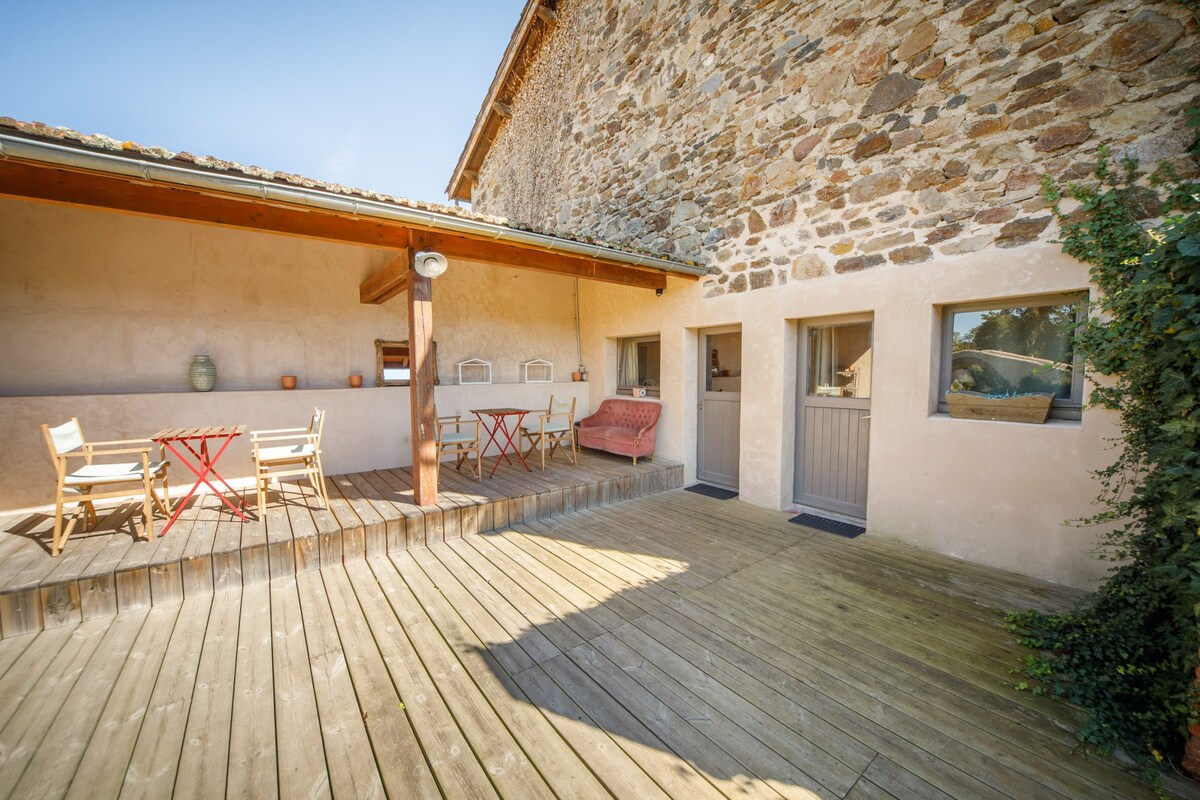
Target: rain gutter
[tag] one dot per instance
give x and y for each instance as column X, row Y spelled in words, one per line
column 73, row 157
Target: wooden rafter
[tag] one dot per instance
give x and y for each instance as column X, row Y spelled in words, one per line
column 387, row 283
column 36, row 182
column 488, row 251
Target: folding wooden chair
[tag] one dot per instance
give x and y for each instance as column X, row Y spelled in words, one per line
column 66, row 442
column 555, row 429
column 463, row 440
column 290, row 452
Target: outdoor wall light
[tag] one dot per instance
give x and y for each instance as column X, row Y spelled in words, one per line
column 430, row 264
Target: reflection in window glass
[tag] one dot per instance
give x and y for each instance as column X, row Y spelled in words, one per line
column 639, row 363
column 724, row 373
column 1014, row 350
column 839, row 360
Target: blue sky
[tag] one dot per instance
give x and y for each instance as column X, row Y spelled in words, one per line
column 373, row 94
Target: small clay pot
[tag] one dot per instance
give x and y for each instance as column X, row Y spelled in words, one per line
column 576, row 376
column 355, row 381
column 287, row 381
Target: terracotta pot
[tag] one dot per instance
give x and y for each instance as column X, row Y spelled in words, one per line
column 576, row 376
column 287, row 381
column 355, row 381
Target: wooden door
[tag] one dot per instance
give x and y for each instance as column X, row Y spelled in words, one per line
column 833, row 412
column 719, row 420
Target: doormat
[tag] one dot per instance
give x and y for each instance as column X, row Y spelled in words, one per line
column 829, row 525
column 712, row 491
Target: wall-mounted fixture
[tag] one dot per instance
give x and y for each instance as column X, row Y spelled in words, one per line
column 430, row 264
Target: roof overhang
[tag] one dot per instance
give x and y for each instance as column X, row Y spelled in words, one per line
column 536, row 21
column 35, row 169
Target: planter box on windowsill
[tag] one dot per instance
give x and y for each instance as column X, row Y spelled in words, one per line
column 1032, row 407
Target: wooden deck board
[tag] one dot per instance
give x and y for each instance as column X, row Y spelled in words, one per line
column 668, row 646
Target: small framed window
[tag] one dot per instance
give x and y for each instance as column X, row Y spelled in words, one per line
column 1015, row 347
column 392, row 363
column 638, row 365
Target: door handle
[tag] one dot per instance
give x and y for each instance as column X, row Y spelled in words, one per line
column 865, row 416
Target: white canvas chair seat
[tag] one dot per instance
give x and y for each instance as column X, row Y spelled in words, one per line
column 94, row 474
column 288, row 453
column 553, row 430
column 296, row 452
column 548, row 426
column 76, row 484
column 459, row 437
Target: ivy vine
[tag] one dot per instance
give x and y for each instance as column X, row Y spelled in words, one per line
column 1127, row 653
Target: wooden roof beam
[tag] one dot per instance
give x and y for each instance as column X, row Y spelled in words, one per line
column 491, row 252
column 49, row 184
column 388, row 282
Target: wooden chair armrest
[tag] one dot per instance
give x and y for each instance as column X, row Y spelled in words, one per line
column 312, row 437
column 257, row 434
column 92, row 453
column 117, row 441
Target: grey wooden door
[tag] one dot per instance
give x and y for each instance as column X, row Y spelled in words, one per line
column 833, row 412
column 720, row 407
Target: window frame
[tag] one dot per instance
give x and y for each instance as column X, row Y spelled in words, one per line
column 651, row 391
column 1071, row 409
column 394, row 344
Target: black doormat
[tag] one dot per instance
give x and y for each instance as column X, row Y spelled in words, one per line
column 829, row 525
column 712, row 491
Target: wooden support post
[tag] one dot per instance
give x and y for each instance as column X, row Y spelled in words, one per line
column 420, row 385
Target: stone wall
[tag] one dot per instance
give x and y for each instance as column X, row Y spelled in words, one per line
column 784, row 141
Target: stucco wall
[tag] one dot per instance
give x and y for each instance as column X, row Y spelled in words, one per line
column 100, row 314
column 991, row 492
column 833, row 158
column 97, row 302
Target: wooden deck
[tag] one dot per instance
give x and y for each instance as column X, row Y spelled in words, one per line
column 668, row 646
column 107, row 570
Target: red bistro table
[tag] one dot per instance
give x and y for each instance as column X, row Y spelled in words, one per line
column 499, row 428
column 205, row 461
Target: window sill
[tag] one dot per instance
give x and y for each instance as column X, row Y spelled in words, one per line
column 1050, row 423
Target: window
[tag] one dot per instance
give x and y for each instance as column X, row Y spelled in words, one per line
column 839, row 360
column 637, row 364
column 392, row 363
column 1013, row 348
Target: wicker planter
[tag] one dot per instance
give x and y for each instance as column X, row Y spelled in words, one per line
column 1033, row 407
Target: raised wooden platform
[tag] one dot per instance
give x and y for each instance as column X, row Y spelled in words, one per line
column 107, row 570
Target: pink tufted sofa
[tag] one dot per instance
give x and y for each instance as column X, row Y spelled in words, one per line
column 624, row 427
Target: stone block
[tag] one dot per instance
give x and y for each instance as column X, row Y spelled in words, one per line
column 1144, row 37
column 857, row 263
column 762, row 279
column 887, row 241
column 977, row 12
column 872, row 187
column 919, row 39
column 913, row 254
column 1050, row 72
column 872, row 63
column 878, row 142
column 1022, row 231
column 805, row 146
column 1057, row 137
column 889, row 93
column 987, row 127
column 930, row 69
